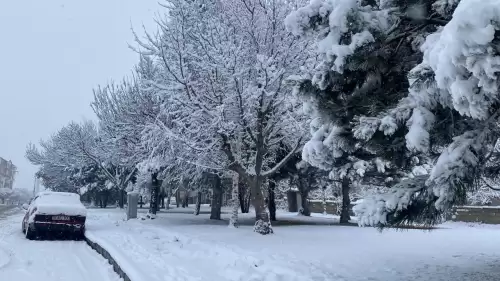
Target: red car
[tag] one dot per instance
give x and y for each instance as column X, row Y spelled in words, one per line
column 54, row 213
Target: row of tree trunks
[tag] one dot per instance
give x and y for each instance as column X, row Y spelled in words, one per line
column 99, row 198
column 257, row 201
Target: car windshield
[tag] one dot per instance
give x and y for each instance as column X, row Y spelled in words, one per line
column 58, row 198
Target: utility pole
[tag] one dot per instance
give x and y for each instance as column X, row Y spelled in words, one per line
column 36, row 186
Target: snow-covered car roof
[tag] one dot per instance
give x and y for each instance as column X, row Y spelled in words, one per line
column 55, row 203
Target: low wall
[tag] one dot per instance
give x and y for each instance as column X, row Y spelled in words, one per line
column 316, row 206
column 111, row 260
column 483, row 214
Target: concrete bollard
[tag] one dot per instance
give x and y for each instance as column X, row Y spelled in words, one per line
column 132, row 198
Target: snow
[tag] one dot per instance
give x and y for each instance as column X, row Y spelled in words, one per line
column 55, row 203
column 341, row 15
column 459, row 71
column 462, row 57
column 419, row 124
column 25, row 260
column 455, row 162
column 179, row 246
column 480, row 207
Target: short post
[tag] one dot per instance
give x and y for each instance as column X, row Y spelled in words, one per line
column 292, row 201
column 132, row 198
column 141, row 202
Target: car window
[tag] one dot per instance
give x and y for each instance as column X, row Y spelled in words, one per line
column 33, row 199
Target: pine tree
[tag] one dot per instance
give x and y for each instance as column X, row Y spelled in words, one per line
column 366, row 50
column 451, row 113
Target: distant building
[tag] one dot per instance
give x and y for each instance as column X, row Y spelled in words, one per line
column 7, row 173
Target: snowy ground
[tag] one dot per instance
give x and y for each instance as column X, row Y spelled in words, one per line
column 6, row 210
column 180, row 246
column 24, row 260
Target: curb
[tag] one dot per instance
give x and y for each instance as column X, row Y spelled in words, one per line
column 111, row 260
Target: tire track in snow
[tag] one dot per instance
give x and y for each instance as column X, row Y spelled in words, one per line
column 5, row 258
column 7, row 229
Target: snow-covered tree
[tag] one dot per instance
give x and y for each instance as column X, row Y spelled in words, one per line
column 365, row 49
column 451, row 111
column 5, row 194
column 124, row 111
column 70, row 151
column 225, row 105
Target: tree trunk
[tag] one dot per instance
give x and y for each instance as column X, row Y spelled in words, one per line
column 324, row 201
column 158, row 200
column 169, row 196
column 262, row 222
column 105, row 198
column 304, row 208
column 177, row 198
column 247, row 200
column 153, row 206
column 198, row 203
column 271, row 201
column 216, row 203
column 346, row 201
column 121, row 198
column 233, row 221
column 244, row 196
column 185, row 199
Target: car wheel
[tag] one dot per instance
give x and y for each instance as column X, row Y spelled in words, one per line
column 30, row 233
column 80, row 235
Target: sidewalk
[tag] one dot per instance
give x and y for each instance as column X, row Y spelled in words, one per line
column 177, row 246
column 152, row 251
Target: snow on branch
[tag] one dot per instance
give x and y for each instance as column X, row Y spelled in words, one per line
column 284, row 161
column 404, row 203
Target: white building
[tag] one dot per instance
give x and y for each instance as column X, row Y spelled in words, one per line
column 7, row 173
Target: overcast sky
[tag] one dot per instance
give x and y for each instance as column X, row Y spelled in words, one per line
column 52, row 54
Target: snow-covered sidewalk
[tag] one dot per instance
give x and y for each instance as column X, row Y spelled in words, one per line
column 179, row 246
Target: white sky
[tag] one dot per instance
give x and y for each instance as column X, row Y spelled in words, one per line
column 52, row 54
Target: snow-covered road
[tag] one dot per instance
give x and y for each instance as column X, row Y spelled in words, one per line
column 6, row 209
column 24, row 260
